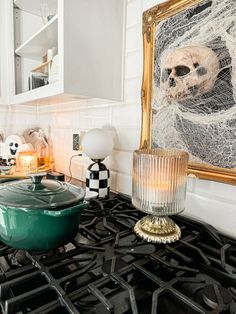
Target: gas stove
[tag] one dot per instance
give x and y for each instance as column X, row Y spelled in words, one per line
column 108, row 269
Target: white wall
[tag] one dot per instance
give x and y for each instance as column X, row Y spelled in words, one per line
column 210, row 201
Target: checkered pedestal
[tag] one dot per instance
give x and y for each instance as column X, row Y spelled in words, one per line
column 97, row 179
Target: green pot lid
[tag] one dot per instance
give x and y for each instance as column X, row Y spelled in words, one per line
column 37, row 194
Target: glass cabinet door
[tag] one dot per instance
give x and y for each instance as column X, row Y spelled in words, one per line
column 35, row 43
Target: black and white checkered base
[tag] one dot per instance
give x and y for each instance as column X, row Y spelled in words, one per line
column 97, row 179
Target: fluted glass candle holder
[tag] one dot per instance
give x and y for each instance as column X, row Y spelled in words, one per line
column 159, row 189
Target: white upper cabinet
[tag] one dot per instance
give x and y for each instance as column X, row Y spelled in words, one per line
column 3, row 57
column 1, row 44
column 58, row 50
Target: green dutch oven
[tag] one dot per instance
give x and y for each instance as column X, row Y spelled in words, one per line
column 39, row 214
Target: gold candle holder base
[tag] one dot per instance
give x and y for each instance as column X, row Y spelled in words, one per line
column 157, row 229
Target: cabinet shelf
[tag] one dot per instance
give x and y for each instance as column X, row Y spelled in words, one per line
column 37, row 45
column 37, row 93
column 32, row 6
column 51, row 93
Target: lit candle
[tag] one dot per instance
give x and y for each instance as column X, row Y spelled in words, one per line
column 159, row 189
column 27, row 162
column 156, row 191
column 163, row 192
column 159, row 179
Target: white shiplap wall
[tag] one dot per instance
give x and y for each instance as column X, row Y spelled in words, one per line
column 212, row 202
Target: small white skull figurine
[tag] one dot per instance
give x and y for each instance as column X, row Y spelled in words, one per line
column 14, row 142
column 188, row 72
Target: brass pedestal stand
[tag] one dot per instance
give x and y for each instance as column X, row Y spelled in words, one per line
column 157, row 229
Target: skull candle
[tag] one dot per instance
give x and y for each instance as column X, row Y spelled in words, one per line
column 188, row 72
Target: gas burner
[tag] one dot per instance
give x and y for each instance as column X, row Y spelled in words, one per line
column 108, row 269
column 47, row 254
column 104, row 228
column 105, row 219
column 216, row 297
column 21, row 257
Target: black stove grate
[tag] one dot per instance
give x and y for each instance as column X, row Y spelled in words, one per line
column 107, row 269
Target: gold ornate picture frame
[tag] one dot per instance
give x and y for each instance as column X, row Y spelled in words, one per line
column 151, row 20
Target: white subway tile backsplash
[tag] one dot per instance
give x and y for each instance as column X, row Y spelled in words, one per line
column 64, row 119
column 19, row 108
column 68, row 142
column 19, row 118
column 124, row 183
column 126, row 116
column 100, row 116
column 13, row 120
column 120, row 161
column 113, row 180
column 127, row 139
column 58, row 140
column 44, row 119
column 212, row 189
column 120, row 182
column 84, row 122
column 220, row 214
column 59, row 165
column 78, row 169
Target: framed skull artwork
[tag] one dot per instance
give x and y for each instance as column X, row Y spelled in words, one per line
column 189, row 84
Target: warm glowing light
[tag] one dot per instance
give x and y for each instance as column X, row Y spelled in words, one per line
column 159, row 176
column 27, row 162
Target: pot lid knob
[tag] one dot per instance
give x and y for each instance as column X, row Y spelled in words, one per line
column 37, row 177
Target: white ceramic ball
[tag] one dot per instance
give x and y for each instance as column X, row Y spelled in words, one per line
column 97, row 144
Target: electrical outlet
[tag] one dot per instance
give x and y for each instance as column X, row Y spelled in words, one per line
column 76, row 141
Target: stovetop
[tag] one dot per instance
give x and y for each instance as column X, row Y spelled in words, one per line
column 108, row 269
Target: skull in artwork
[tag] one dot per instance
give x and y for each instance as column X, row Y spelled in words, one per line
column 188, row 72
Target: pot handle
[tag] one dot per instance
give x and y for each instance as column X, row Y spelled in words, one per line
column 66, row 211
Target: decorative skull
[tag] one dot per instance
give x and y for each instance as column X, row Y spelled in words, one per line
column 13, row 143
column 188, row 72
